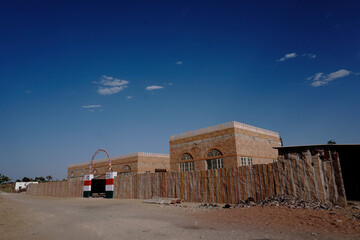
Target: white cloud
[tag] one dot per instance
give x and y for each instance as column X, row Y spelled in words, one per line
column 310, row 55
column 294, row 55
column 286, row 57
column 109, row 91
column 28, row 91
column 150, row 88
column 170, row 84
column 129, row 97
column 92, row 106
column 110, row 85
column 321, row 79
column 111, row 81
column 179, row 63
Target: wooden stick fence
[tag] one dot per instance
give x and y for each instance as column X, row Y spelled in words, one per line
column 72, row 188
column 307, row 177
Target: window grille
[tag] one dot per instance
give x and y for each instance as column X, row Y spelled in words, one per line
column 250, row 161
column 186, row 166
column 216, row 162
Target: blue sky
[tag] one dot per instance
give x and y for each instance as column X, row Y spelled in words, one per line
column 126, row 75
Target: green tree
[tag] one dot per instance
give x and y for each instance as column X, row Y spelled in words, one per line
column 26, row 179
column 39, row 179
column 4, row 178
column 49, row 178
column 331, row 142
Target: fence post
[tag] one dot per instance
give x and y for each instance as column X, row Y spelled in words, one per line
column 87, row 185
column 109, row 188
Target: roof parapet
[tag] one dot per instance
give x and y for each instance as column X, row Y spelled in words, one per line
column 222, row 126
column 135, row 154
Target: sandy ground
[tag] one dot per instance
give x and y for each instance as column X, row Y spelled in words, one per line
column 26, row 217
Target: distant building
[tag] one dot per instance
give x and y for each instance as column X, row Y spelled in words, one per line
column 133, row 163
column 225, row 145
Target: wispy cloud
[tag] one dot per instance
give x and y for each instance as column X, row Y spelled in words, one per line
column 28, row 91
column 154, row 87
column 110, row 85
column 321, row 79
column 109, row 91
column 310, row 55
column 129, row 97
column 92, row 106
column 295, row 55
column 178, row 62
column 287, row 56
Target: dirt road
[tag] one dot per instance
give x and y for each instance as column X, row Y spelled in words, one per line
column 25, row 217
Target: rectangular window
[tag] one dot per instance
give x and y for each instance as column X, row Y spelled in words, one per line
column 215, row 163
column 186, row 166
column 243, row 161
column 250, row 161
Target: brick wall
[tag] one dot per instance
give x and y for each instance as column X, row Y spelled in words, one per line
column 234, row 140
column 138, row 163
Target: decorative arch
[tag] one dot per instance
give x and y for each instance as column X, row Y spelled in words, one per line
column 126, row 170
column 107, row 155
column 186, row 156
column 214, row 159
column 214, row 152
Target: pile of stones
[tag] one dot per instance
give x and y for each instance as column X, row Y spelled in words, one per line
column 283, row 201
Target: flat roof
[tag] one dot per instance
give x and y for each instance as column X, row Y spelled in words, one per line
column 319, row 145
column 222, row 126
column 135, row 154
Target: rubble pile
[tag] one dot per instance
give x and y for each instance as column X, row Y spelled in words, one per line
column 280, row 200
column 284, row 201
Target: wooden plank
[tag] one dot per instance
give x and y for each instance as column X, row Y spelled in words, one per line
column 296, row 177
column 277, row 182
column 257, row 181
column 250, row 181
column 267, row 184
column 245, row 177
column 264, row 184
column 271, row 179
column 288, row 177
column 338, row 179
column 319, row 178
column 330, row 182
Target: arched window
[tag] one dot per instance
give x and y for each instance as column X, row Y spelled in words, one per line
column 82, row 173
column 127, row 170
column 188, row 165
column 215, row 160
column 95, row 172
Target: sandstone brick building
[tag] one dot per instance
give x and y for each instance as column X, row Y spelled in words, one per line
column 133, row 163
column 225, row 145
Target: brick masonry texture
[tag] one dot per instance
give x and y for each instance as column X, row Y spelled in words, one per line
column 232, row 141
column 138, row 163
